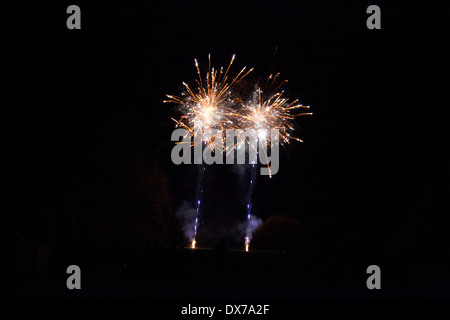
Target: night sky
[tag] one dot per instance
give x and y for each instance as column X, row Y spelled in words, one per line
column 369, row 184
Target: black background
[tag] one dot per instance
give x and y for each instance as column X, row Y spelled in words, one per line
column 369, row 183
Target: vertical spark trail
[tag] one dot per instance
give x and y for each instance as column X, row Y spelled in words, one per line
column 254, row 163
column 199, row 200
column 248, row 229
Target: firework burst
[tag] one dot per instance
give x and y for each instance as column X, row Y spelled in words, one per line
column 210, row 104
column 274, row 112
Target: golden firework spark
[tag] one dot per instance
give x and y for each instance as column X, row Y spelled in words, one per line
column 247, row 244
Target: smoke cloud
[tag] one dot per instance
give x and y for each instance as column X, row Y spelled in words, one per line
column 186, row 215
column 247, row 228
column 251, row 225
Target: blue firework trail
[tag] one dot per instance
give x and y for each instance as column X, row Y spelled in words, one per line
column 248, row 229
column 199, row 201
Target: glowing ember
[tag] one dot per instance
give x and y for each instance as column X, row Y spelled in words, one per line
column 193, row 244
column 247, row 243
